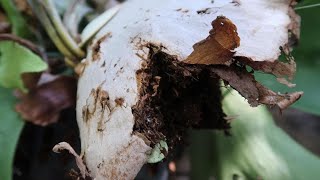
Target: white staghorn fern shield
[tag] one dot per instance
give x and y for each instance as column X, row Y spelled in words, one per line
column 111, row 86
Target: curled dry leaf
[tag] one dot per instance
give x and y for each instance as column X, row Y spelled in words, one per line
column 216, row 50
column 253, row 91
column 291, row 98
column 66, row 146
column 277, row 68
column 30, row 80
column 286, row 82
column 44, row 102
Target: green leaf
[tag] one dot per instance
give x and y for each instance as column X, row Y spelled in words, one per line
column 258, row 149
column 96, row 24
column 157, row 154
column 15, row 60
column 308, row 64
column 10, row 128
column 19, row 25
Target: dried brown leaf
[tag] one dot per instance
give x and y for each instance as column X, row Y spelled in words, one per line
column 240, row 80
column 253, row 91
column 43, row 103
column 217, row 47
column 66, row 146
column 293, row 97
column 286, row 82
column 277, row 68
column 294, row 27
column 30, row 80
column 217, row 51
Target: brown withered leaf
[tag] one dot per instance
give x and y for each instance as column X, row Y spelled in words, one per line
column 217, row 51
column 277, row 68
column 44, row 102
column 30, row 80
column 253, row 91
column 286, row 82
column 217, row 47
column 66, row 146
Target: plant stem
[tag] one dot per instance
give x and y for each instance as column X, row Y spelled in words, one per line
column 45, row 21
column 23, row 42
column 18, row 23
column 59, row 27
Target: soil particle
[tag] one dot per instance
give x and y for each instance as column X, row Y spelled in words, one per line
column 119, row 101
column 98, row 99
column 236, row 2
column 103, row 64
column 96, row 48
column 204, row 11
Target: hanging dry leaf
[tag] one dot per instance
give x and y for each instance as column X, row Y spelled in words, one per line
column 30, row 80
column 66, row 146
column 253, row 91
column 43, row 103
column 277, row 68
column 217, row 50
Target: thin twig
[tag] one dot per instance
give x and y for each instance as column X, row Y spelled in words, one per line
column 307, row 7
column 23, row 42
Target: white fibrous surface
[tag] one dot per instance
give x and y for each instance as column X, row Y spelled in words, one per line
column 110, row 148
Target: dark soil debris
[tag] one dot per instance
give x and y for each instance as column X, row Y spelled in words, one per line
column 204, row 11
column 119, row 101
column 96, row 48
column 174, row 97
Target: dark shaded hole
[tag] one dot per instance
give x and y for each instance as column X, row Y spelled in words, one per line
column 175, row 97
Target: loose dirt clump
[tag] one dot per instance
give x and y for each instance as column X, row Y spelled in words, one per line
column 174, row 97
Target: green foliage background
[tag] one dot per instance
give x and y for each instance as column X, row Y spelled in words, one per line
column 257, row 149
